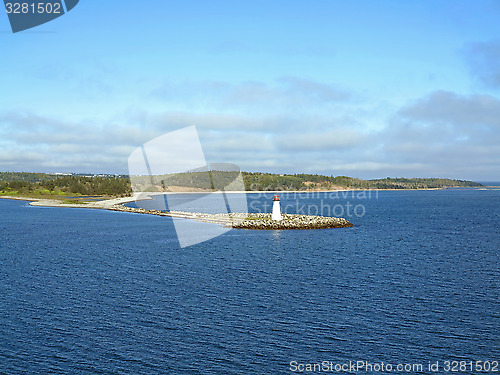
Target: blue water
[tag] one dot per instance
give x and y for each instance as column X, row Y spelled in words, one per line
column 99, row 292
column 490, row 183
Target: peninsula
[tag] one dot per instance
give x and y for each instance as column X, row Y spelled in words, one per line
column 111, row 192
column 232, row 220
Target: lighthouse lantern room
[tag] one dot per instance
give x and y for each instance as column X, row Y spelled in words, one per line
column 276, row 208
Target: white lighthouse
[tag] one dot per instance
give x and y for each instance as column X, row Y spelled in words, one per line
column 276, row 208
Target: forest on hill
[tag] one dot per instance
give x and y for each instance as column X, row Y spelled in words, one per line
column 218, row 180
column 112, row 185
column 32, row 184
column 267, row 181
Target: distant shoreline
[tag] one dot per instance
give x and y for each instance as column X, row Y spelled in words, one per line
column 47, row 185
column 295, row 222
column 110, row 204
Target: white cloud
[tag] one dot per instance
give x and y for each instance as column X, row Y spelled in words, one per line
column 441, row 134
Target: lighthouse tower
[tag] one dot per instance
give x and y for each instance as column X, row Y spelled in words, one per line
column 276, row 208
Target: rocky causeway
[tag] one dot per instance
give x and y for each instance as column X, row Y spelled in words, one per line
column 250, row 220
column 290, row 221
column 259, row 221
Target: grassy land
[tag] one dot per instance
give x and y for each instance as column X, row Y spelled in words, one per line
column 74, row 199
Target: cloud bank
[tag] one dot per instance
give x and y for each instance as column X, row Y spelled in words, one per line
column 293, row 125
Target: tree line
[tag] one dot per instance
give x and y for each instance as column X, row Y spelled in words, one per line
column 269, row 182
column 64, row 185
column 40, row 183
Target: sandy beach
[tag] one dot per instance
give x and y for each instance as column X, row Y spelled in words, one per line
column 105, row 204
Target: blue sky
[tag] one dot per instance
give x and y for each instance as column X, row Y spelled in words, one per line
column 361, row 88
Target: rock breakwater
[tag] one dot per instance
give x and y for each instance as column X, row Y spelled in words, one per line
column 249, row 220
column 290, row 221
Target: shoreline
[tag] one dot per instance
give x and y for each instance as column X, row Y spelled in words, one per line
column 228, row 220
column 110, row 203
column 104, row 204
column 113, row 203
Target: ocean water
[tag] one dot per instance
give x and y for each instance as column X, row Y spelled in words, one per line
column 416, row 280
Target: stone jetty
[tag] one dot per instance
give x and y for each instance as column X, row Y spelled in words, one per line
column 290, row 221
column 232, row 220
column 249, row 220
